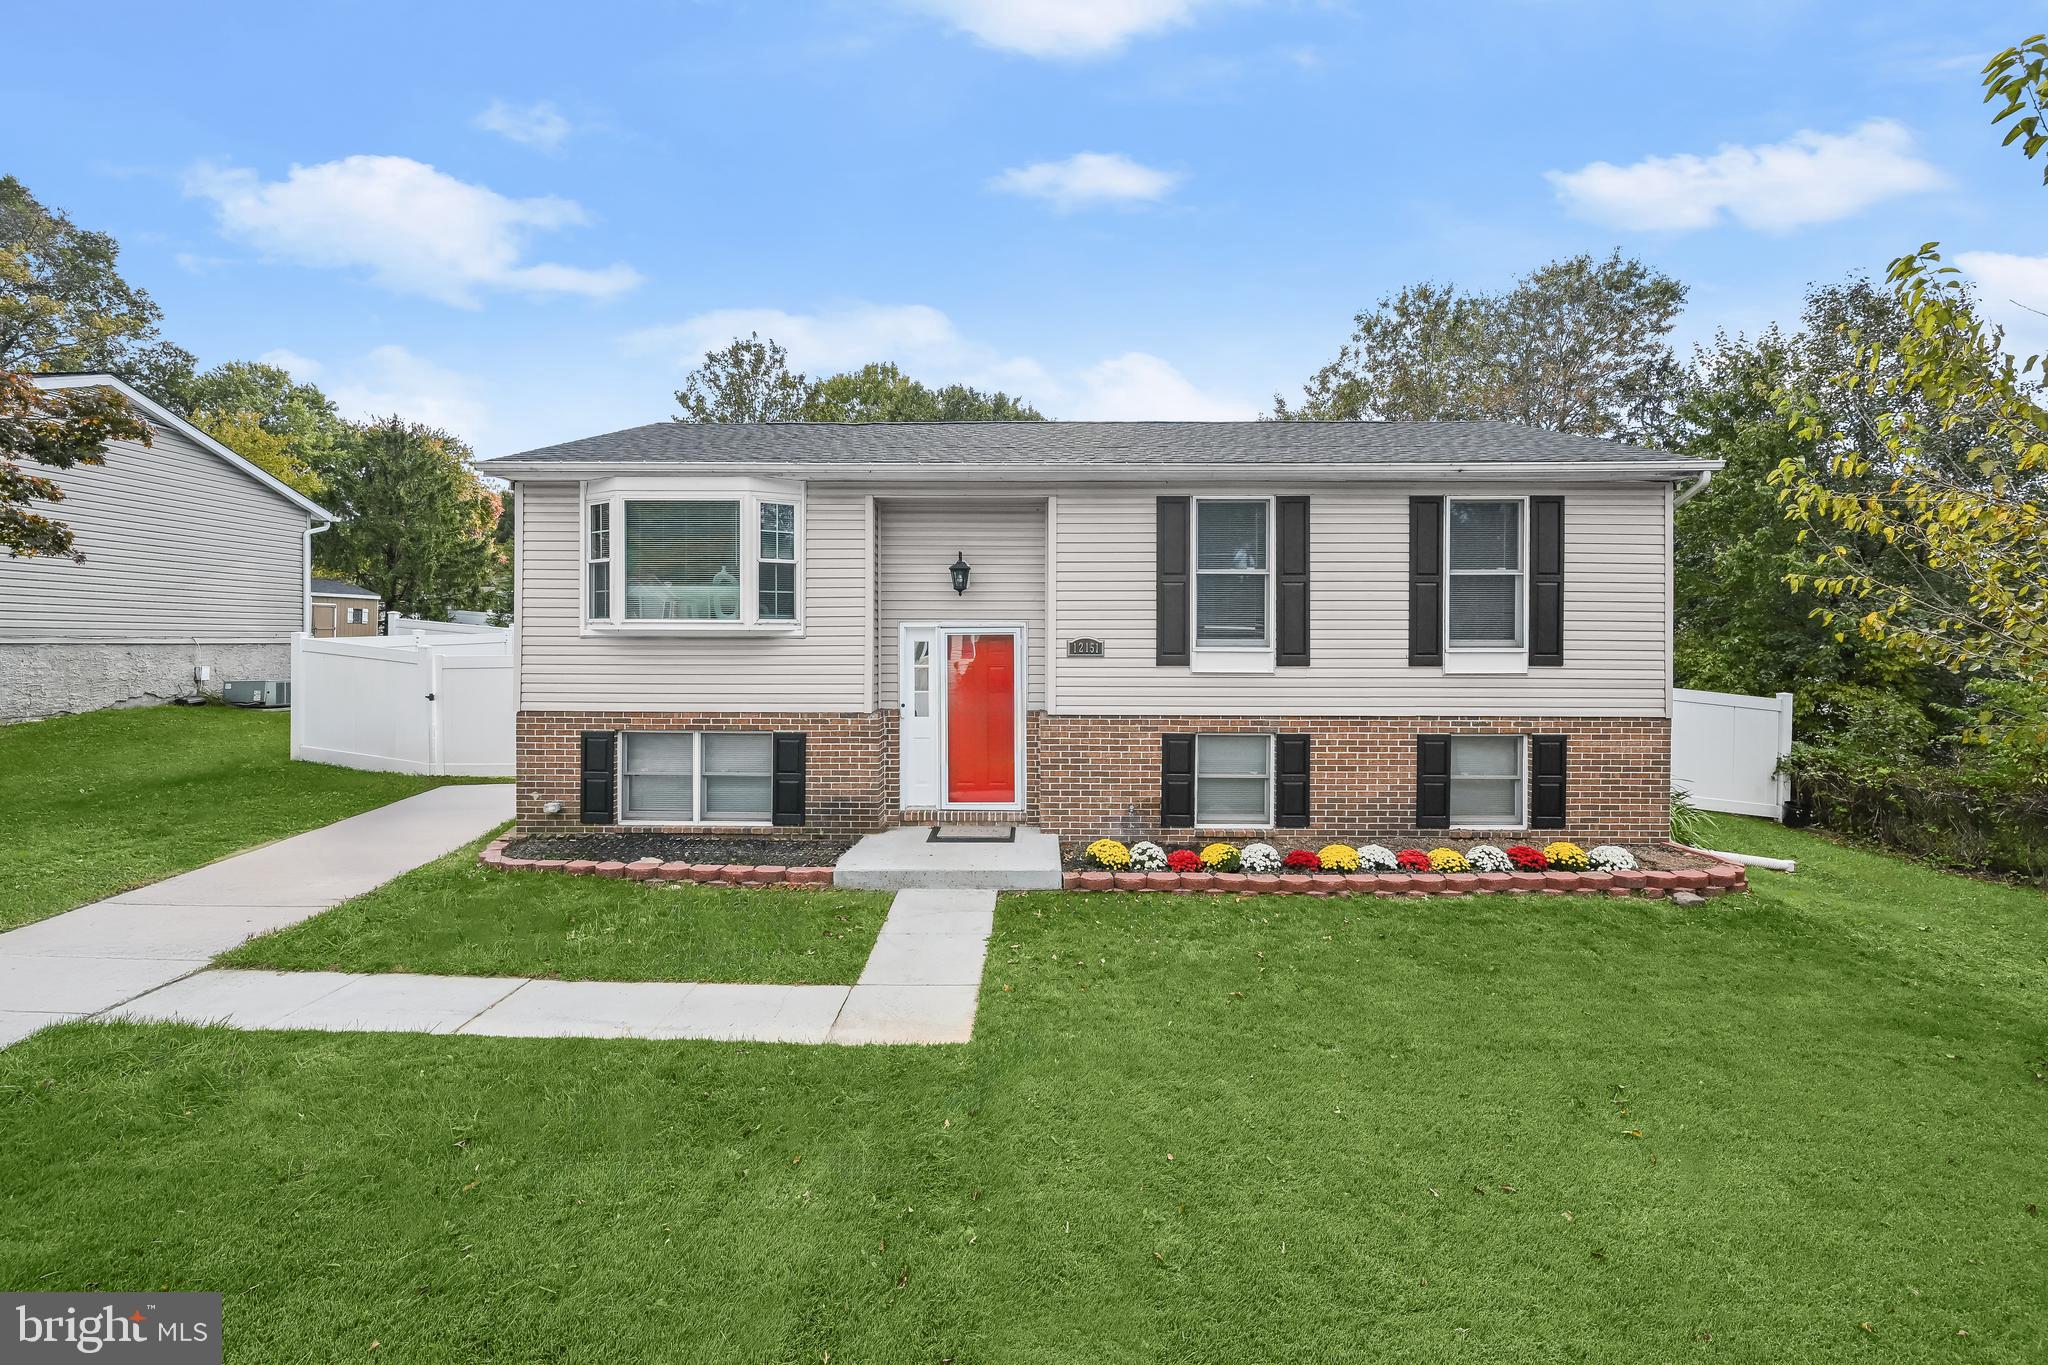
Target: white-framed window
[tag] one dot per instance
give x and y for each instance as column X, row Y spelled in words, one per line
column 921, row 677
column 359, row 616
column 664, row 561
column 1487, row 788
column 1485, row 559
column 778, row 561
column 1233, row 780
column 1233, row 574
column 600, row 556
column 674, row 777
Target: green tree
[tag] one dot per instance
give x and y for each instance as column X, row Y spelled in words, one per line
column 287, row 428
column 416, row 523
column 748, row 380
column 55, row 428
column 64, row 305
column 243, row 433
column 880, row 392
column 1577, row 345
column 1957, row 480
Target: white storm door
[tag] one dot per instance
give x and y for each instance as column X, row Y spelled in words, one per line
column 918, row 726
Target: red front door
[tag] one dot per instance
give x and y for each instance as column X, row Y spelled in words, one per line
column 981, row 719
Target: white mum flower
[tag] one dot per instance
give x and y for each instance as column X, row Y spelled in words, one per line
column 1147, row 856
column 1260, row 858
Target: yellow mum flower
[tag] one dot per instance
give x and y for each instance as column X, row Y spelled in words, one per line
column 1220, row 857
column 1566, row 857
column 1338, row 858
column 1448, row 860
column 1110, row 854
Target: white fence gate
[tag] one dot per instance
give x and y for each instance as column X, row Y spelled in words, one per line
column 1725, row 750
column 435, row 704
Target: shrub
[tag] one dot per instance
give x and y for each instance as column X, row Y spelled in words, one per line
column 1220, row 857
column 1527, row 859
column 1147, row 856
column 1338, row 858
column 1689, row 824
column 1568, row 857
column 1184, row 860
column 1412, row 860
column 1260, row 858
column 1376, row 858
column 1301, row 860
column 1110, row 854
column 1610, row 858
column 1487, row 858
column 1448, row 860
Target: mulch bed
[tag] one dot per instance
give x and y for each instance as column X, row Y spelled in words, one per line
column 627, row 846
column 1649, row 857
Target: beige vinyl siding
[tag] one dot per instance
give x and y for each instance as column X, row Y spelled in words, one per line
column 1616, row 614
column 178, row 544
column 1004, row 543
column 824, row 669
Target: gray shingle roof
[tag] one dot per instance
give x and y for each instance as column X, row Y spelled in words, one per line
column 335, row 587
column 1087, row 444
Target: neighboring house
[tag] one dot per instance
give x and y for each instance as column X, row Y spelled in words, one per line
column 343, row 609
column 194, row 559
column 1168, row 629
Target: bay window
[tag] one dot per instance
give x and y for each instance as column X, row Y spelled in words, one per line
column 1484, row 593
column 657, row 561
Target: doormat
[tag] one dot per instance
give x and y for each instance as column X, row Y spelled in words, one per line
column 970, row 834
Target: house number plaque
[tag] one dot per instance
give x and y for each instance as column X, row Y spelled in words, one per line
column 1084, row 648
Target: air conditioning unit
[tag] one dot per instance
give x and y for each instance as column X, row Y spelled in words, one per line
column 266, row 694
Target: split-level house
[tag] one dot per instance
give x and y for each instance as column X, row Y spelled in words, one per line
column 1163, row 629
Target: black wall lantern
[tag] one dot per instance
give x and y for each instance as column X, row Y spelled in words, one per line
column 961, row 568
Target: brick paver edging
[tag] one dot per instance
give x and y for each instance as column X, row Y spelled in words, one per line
column 655, row 870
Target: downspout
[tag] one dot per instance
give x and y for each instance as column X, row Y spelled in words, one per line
column 306, row 608
column 1699, row 486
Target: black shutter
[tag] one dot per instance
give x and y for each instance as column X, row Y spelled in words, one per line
column 1546, row 582
column 1290, row 781
column 1177, row 779
column 1171, row 604
column 600, row 777
column 1546, row 782
column 1432, row 781
column 788, row 801
column 1425, row 582
column 1291, row 589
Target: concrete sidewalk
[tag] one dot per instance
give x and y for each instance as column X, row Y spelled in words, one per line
column 921, row 985
column 94, row 958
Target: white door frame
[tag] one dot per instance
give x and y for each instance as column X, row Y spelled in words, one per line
column 941, row 690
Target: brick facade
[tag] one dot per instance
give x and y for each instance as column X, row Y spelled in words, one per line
column 1093, row 775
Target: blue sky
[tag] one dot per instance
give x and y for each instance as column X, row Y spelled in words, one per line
column 525, row 222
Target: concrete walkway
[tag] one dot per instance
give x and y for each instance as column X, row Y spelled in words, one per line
column 920, row 986
column 92, row 959
column 1003, row 857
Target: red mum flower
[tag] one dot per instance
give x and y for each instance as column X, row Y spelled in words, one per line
column 1412, row 860
column 1526, row 858
column 1184, row 860
column 1301, row 860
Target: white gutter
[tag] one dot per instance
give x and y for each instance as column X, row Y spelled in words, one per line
column 1149, row 471
column 1699, row 486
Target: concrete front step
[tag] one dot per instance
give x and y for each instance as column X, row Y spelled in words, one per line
column 906, row 859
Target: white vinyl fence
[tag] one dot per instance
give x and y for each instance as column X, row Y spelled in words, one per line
column 1725, row 750
column 440, row 704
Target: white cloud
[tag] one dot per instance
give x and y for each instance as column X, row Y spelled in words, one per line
column 391, row 379
column 534, row 125
column 414, row 228
column 299, row 367
column 1808, row 178
column 925, row 342
column 1086, row 179
column 2013, row 291
column 1061, row 28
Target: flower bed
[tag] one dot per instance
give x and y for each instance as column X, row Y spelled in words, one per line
column 652, row 869
column 1373, row 869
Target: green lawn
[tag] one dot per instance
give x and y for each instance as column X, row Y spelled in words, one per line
column 453, row 916
column 100, row 803
column 1805, row 1125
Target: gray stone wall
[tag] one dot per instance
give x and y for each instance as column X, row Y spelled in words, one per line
column 43, row 679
